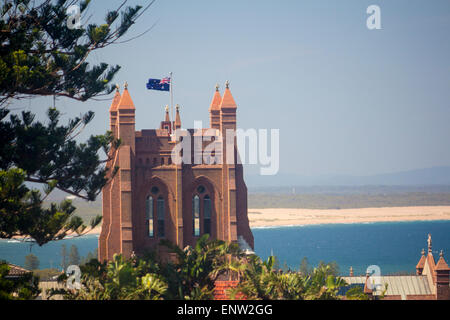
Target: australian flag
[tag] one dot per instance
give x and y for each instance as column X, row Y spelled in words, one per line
column 159, row 84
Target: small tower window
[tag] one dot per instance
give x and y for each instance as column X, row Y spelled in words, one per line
column 196, row 216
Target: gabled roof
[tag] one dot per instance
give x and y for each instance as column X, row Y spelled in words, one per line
column 16, row 271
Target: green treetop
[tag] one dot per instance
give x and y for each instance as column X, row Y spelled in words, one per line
column 42, row 54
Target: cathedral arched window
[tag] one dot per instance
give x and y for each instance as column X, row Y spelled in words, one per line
column 196, row 215
column 155, row 211
column 201, row 212
column 160, row 213
column 149, row 216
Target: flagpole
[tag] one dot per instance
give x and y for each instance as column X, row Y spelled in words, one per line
column 173, row 138
column 171, row 100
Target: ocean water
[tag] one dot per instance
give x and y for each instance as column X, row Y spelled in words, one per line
column 49, row 254
column 393, row 246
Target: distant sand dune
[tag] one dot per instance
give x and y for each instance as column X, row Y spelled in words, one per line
column 288, row 217
column 293, row 217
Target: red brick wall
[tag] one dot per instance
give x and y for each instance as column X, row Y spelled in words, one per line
column 392, row 298
column 412, row 297
column 420, row 297
column 443, row 291
column 106, row 212
column 243, row 224
column 220, row 291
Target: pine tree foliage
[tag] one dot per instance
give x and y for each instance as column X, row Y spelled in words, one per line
column 42, row 54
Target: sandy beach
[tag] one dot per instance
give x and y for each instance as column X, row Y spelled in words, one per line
column 293, row 217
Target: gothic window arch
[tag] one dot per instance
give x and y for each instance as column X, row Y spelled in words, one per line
column 155, row 213
column 201, row 211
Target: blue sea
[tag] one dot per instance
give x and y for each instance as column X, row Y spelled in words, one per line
column 393, row 246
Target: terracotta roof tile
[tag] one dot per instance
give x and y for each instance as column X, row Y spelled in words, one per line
column 421, row 263
column 115, row 102
column 227, row 100
column 215, row 103
column 442, row 265
column 125, row 101
column 15, row 271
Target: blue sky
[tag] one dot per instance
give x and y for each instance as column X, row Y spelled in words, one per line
column 347, row 100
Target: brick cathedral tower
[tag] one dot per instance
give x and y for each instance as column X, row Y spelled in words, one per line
column 151, row 197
